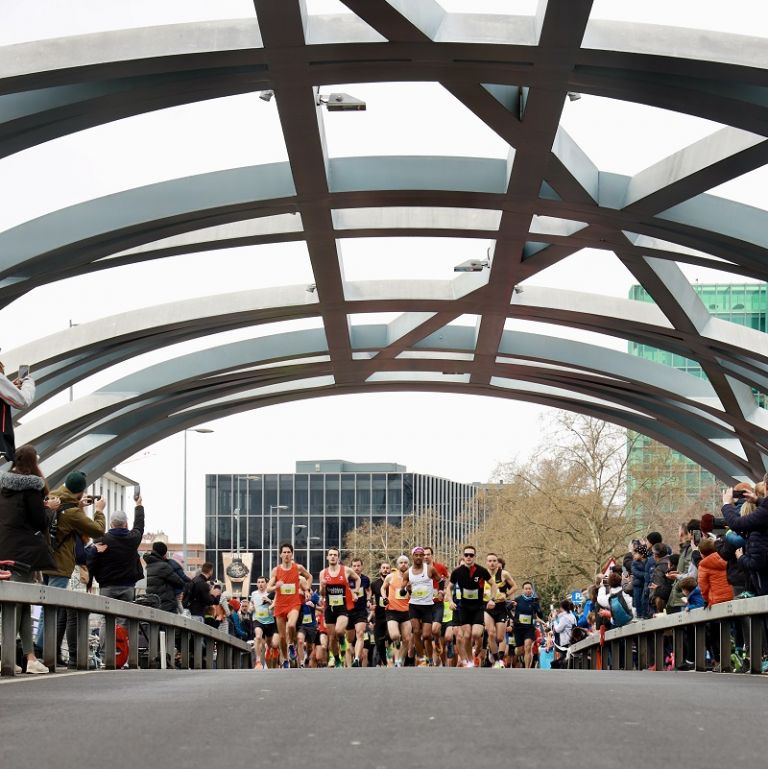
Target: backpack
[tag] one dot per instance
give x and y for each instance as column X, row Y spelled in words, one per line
column 620, row 612
column 186, row 594
column 53, row 530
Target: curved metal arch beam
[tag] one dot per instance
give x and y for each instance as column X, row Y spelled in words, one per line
column 105, row 450
column 195, row 375
column 74, row 354
column 34, row 253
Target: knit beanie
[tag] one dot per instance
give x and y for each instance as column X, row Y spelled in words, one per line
column 76, row 482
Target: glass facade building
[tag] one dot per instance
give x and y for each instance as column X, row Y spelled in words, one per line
column 317, row 506
column 743, row 303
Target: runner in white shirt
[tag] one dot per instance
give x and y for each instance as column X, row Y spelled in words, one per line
column 421, row 605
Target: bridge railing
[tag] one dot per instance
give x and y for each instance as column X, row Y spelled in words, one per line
column 196, row 640
column 642, row 644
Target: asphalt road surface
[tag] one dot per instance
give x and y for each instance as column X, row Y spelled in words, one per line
column 383, row 719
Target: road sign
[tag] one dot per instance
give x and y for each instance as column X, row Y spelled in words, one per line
column 577, row 597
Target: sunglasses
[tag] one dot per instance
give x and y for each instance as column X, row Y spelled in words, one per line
column 469, row 555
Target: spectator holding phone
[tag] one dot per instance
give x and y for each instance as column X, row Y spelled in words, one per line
column 19, row 394
column 754, row 528
column 73, row 525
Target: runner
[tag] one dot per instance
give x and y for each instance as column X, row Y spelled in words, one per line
column 437, row 619
column 448, row 631
column 289, row 599
column 471, row 579
column 306, row 633
column 380, row 634
column 496, row 619
column 421, row 605
column 358, row 617
column 527, row 608
column 320, row 659
column 339, row 601
column 263, row 623
column 398, row 619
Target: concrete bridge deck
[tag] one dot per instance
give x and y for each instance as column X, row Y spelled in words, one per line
column 382, row 719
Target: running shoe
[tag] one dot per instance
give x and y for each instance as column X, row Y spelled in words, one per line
column 339, row 663
column 258, row 665
column 398, row 663
column 286, row 665
column 291, row 652
column 356, row 662
column 498, row 665
column 469, row 664
column 449, row 650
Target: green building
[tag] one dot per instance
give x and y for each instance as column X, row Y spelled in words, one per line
column 743, row 303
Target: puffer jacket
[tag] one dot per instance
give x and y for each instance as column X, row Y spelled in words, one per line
column 754, row 527
column 713, row 580
column 23, row 521
column 72, row 522
column 162, row 581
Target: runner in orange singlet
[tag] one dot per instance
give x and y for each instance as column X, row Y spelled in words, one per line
column 396, row 600
column 289, row 598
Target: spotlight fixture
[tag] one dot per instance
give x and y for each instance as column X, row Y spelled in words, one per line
column 311, row 288
column 573, row 96
column 472, row 265
column 266, row 95
column 517, row 289
column 340, row 102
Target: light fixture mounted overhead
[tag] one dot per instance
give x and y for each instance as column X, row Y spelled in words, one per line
column 340, row 102
column 266, row 95
column 472, row 265
column 573, row 96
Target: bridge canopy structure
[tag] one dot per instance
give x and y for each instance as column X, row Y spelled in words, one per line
column 518, row 212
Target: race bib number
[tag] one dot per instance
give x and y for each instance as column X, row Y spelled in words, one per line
column 262, row 612
column 524, row 619
column 288, row 589
column 422, row 592
column 447, row 613
column 470, row 595
column 335, row 600
column 306, row 619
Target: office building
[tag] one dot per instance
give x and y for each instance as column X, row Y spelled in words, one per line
column 318, row 505
column 745, row 304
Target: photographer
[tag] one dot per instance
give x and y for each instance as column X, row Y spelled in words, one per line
column 73, row 525
column 17, row 394
column 754, row 528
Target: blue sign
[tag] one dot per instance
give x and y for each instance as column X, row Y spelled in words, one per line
column 577, row 597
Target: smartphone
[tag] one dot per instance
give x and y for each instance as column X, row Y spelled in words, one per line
column 96, row 497
column 696, row 536
column 136, row 492
column 23, row 371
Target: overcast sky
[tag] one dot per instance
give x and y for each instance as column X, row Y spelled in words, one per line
column 459, row 437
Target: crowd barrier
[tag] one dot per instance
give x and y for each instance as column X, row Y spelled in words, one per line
column 196, row 640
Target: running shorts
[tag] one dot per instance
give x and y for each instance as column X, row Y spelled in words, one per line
column 332, row 614
column 357, row 615
column 522, row 632
column 310, row 634
column 423, row 613
column 472, row 615
column 498, row 613
column 437, row 612
column 269, row 629
column 398, row 616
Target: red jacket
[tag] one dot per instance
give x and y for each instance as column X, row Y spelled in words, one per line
column 713, row 580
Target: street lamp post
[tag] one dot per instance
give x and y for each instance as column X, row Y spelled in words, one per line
column 204, row 430
column 271, row 508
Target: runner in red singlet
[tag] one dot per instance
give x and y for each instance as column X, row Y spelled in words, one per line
column 289, row 598
column 339, row 601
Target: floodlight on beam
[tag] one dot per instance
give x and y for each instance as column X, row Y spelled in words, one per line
column 266, row 95
column 573, row 96
column 472, row 265
column 340, row 102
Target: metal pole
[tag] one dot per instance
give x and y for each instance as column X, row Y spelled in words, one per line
column 184, row 524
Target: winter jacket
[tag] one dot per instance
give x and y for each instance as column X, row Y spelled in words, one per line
column 676, row 596
column 735, row 571
column 638, row 584
column 754, row 527
column 119, row 564
column 563, row 626
column 23, row 521
column 604, row 597
column 713, row 580
column 162, row 581
column 73, row 522
column 200, row 597
column 19, row 398
column 179, row 571
column 696, row 599
column 659, row 578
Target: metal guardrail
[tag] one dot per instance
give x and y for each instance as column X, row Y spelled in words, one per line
column 641, row 644
column 231, row 651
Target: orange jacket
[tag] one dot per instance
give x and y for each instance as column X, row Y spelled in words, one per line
column 713, row 580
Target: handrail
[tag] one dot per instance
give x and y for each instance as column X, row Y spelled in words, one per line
column 640, row 644
column 231, row 651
